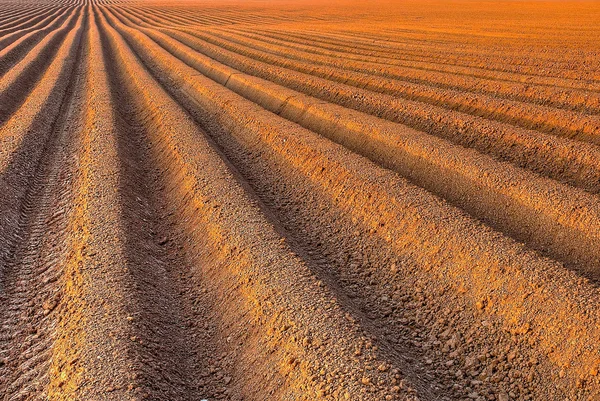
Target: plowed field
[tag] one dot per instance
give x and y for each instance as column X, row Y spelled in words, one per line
column 255, row 200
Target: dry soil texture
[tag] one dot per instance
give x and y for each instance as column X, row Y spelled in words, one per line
column 299, row 201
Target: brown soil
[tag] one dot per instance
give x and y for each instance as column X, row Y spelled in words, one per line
column 242, row 201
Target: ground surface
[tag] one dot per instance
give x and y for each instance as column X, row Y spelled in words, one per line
column 299, row 201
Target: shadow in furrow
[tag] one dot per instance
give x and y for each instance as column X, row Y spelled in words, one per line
column 32, row 287
column 26, row 158
column 172, row 347
column 15, row 96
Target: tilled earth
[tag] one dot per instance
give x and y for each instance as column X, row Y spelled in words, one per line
column 232, row 200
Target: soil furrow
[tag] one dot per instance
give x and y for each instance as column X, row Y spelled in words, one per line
column 24, row 134
column 22, row 48
column 536, row 209
column 361, row 45
column 172, row 331
column 509, row 300
column 17, row 84
column 565, row 160
column 547, row 88
column 94, row 351
column 7, row 40
column 540, row 117
column 28, row 23
column 503, row 59
column 16, row 17
column 295, row 369
column 13, row 24
column 33, row 284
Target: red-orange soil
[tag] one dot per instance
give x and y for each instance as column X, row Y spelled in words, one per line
column 292, row 200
